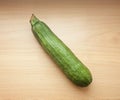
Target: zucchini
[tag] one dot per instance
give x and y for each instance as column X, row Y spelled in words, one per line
column 73, row 68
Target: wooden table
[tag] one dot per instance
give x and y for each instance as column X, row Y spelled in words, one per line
column 90, row 28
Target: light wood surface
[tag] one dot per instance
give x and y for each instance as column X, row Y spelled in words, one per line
column 91, row 28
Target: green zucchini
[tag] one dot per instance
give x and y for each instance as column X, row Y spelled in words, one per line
column 73, row 68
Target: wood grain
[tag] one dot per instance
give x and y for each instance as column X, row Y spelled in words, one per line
column 90, row 28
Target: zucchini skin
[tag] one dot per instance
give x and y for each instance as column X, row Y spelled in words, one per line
column 73, row 68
